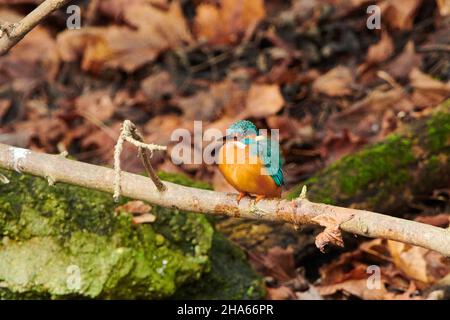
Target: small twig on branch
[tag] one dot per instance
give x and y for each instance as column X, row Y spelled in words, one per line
column 11, row 33
column 361, row 222
column 130, row 133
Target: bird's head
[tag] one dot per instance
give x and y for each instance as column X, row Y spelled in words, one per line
column 241, row 129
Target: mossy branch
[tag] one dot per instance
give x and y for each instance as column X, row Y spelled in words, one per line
column 298, row 211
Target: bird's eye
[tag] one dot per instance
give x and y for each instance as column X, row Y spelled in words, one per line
column 235, row 138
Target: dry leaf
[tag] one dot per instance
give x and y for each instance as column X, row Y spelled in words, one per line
column 364, row 117
column 280, row 293
column 263, row 100
column 97, row 105
column 278, row 263
column 123, row 47
column 399, row 14
column 225, row 24
column 332, row 234
column 144, row 218
column 358, row 288
column 139, row 208
column 444, row 7
column 208, row 105
column 158, row 86
column 337, row 82
column 32, row 60
column 380, row 51
column 410, row 259
column 401, row 66
column 427, row 90
column 441, row 220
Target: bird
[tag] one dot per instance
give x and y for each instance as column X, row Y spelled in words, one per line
column 250, row 162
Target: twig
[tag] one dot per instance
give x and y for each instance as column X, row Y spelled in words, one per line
column 362, row 222
column 130, row 133
column 11, row 33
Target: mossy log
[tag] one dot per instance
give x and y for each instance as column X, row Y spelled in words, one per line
column 384, row 177
column 64, row 241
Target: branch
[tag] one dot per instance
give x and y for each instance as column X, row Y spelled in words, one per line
column 361, row 222
column 11, row 33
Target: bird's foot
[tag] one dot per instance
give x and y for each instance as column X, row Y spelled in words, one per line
column 240, row 196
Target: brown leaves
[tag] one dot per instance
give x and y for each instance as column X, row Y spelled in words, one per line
column 380, row 51
column 383, row 269
column 96, row 105
column 418, row 263
column 400, row 14
column 263, row 100
column 224, row 24
column 337, row 82
column 123, row 47
column 139, row 210
column 428, row 91
column 32, row 60
column 444, row 7
column 332, row 234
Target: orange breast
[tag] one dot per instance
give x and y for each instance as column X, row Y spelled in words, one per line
column 245, row 172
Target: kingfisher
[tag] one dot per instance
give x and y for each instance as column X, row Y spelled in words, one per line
column 250, row 162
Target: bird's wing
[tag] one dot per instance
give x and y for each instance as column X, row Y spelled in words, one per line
column 268, row 151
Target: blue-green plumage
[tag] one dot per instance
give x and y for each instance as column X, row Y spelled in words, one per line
column 267, row 149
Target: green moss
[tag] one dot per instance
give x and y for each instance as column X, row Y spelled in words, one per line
column 48, row 229
column 377, row 162
column 355, row 172
column 439, row 131
column 49, row 232
column 183, row 180
column 226, row 260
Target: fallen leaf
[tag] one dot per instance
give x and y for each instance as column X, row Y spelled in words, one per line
column 158, row 86
column 332, row 234
column 263, row 100
column 441, row 220
column 5, row 105
column 399, row 14
column 418, row 263
column 427, row 90
column 208, row 105
column 410, row 259
column 380, row 51
column 144, row 218
column 277, row 262
column 97, row 105
column 34, row 59
column 401, row 66
column 337, row 82
column 364, row 116
column 139, row 208
column 280, row 293
column 338, row 144
column 358, row 288
column 227, row 23
column 444, row 7
column 123, row 47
